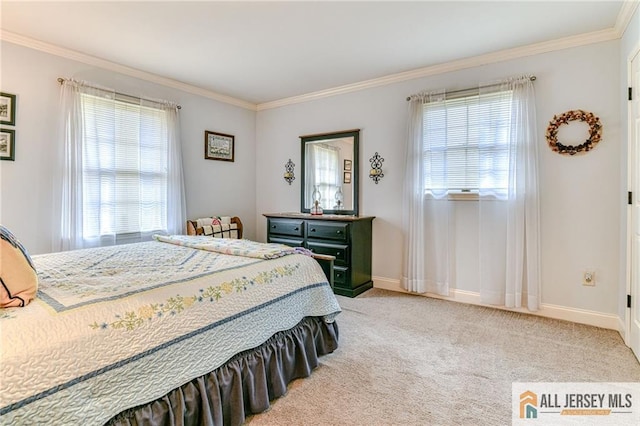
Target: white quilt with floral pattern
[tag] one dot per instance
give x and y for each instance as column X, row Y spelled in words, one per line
column 116, row 327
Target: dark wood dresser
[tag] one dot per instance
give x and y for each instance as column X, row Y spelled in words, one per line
column 348, row 238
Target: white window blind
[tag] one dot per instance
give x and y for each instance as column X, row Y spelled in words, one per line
column 466, row 143
column 124, row 172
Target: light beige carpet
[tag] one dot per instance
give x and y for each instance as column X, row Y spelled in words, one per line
column 412, row 360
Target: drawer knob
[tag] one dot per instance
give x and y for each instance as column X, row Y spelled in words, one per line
column 296, row 228
column 338, row 232
column 313, row 230
column 338, row 254
column 273, row 226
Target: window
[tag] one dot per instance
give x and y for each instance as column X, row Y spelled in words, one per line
column 124, row 168
column 466, row 144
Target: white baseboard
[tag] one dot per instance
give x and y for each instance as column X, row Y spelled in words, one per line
column 581, row 316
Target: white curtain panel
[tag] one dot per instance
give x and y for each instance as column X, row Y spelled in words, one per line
column 176, row 209
column 509, row 220
column 310, row 174
column 427, row 218
column 68, row 191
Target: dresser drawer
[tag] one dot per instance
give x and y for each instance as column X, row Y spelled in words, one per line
column 340, row 251
column 292, row 227
column 328, row 230
column 340, row 275
column 291, row 242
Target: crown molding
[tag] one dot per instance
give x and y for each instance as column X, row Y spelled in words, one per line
column 624, row 16
column 475, row 61
column 112, row 66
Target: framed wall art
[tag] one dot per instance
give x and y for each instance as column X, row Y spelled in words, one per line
column 347, row 177
column 218, row 146
column 7, row 109
column 347, row 165
column 7, row 144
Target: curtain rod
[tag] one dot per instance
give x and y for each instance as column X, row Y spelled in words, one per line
column 532, row 78
column 62, row 80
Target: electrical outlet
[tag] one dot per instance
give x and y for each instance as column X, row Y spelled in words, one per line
column 589, row 278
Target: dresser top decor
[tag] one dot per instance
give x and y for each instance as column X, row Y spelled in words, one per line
column 339, row 217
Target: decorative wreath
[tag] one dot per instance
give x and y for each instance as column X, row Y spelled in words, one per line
column 595, row 132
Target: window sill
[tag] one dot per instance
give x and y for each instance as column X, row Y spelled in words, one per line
column 456, row 196
column 464, row 196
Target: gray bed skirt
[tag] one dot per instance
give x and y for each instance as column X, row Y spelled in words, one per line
column 244, row 385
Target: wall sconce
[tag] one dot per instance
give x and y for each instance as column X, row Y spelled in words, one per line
column 288, row 171
column 376, row 168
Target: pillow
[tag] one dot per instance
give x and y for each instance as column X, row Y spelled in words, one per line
column 18, row 278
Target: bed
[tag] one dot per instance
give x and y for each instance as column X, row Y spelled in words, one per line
column 179, row 330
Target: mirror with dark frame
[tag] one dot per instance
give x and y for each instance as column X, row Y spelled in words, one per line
column 330, row 172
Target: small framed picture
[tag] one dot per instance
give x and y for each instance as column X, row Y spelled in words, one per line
column 347, row 177
column 7, row 144
column 218, row 146
column 7, row 109
column 347, row 165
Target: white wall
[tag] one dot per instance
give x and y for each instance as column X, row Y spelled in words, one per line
column 629, row 44
column 213, row 187
column 580, row 195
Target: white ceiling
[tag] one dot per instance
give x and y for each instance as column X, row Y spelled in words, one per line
column 266, row 51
